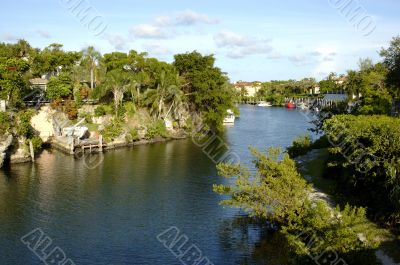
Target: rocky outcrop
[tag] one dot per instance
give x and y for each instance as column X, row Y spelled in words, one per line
column 5, row 143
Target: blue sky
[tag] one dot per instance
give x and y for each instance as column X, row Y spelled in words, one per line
column 251, row 40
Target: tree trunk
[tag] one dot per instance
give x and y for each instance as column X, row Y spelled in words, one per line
column 91, row 77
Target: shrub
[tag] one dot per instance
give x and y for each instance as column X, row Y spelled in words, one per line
column 87, row 116
column 130, row 108
column 5, row 122
column 37, row 143
column 100, row 111
column 157, row 129
column 23, row 126
column 112, row 130
column 279, row 195
column 71, row 110
column 301, row 146
column 365, row 157
column 134, row 135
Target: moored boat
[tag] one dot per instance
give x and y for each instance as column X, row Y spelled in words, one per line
column 264, row 104
column 230, row 118
column 290, row 105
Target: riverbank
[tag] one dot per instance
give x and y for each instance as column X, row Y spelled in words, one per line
column 313, row 167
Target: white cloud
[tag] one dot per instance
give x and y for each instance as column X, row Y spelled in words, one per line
column 241, row 46
column 43, row 33
column 184, row 18
column 7, row 36
column 230, row 39
column 148, row 31
column 157, row 49
column 119, row 42
column 189, row 17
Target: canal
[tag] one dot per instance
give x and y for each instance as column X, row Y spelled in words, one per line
column 112, row 213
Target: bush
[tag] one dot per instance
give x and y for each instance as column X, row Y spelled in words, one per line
column 23, row 126
column 87, row 116
column 301, row 146
column 130, row 108
column 5, row 123
column 279, row 195
column 134, row 135
column 113, row 130
column 37, row 143
column 71, row 110
column 157, row 129
column 100, row 111
column 365, row 157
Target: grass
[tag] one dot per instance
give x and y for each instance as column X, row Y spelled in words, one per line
column 315, row 166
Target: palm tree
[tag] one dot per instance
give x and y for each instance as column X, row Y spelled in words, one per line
column 115, row 82
column 155, row 97
column 92, row 57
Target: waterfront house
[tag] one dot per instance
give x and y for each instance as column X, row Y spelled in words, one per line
column 38, row 83
column 251, row 88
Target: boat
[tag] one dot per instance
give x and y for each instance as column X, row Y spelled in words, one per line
column 302, row 106
column 230, row 118
column 290, row 105
column 264, row 104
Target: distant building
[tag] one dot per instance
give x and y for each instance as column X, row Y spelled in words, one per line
column 38, row 83
column 340, row 80
column 251, row 88
column 3, row 105
column 315, row 90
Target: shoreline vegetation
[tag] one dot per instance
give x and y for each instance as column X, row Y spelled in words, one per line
column 85, row 99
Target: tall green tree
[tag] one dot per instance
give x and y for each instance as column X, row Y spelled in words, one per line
column 391, row 57
column 207, row 87
column 91, row 58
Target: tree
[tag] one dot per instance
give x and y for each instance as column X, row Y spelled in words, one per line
column 92, row 57
column 278, row 194
column 391, row 58
column 59, row 87
column 207, row 87
column 115, row 82
column 12, row 81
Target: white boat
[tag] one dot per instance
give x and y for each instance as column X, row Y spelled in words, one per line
column 230, row 118
column 264, row 104
column 302, row 106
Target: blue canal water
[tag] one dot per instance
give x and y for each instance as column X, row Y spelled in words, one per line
column 112, row 214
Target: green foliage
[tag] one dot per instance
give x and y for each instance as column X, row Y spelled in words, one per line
column 71, row 109
column 37, row 143
column 12, row 79
column 5, row 123
column 130, row 108
column 369, row 82
column 391, row 57
column 277, row 193
column 134, row 135
column 59, row 87
column 23, row 126
column 113, row 130
column 156, row 129
column 87, row 116
column 365, row 157
column 301, row 146
column 207, row 87
column 100, row 111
